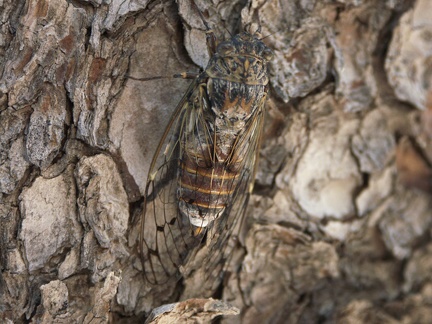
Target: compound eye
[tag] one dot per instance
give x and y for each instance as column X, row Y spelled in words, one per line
column 268, row 54
column 226, row 49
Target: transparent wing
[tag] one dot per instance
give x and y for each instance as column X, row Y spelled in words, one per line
column 228, row 227
column 165, row 237
column 222, row 235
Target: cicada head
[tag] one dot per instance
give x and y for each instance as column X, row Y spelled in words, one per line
column 243, row 58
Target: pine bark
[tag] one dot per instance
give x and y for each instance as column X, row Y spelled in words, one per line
column 338, row 227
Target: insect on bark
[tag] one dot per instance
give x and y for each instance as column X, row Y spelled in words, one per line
column 202, row 173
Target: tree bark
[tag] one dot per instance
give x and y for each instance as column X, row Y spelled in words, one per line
column 338, row 227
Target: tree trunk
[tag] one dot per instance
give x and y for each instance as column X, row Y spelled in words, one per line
column 338, row 227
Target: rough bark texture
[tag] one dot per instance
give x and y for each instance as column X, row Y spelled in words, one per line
column 338, row 230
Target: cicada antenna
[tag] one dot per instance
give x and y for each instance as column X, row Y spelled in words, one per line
column 158, row 77
column 269, row 35
column 183, row 75
column 227, row 30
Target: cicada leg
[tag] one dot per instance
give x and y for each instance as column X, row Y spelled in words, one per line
column 210, row 35
column 187, row 75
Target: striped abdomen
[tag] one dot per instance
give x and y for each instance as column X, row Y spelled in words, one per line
column 205, row 191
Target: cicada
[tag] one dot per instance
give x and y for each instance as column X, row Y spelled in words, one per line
column 203, row 170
